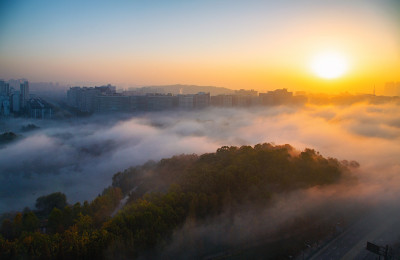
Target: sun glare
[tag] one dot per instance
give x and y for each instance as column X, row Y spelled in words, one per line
column 329, row 65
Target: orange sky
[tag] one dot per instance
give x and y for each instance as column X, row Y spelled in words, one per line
column 255, row 45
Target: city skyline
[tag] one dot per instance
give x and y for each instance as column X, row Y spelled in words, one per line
column 254, row 45
column 199, row 129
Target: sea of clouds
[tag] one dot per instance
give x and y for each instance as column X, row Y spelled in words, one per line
column 80, row 156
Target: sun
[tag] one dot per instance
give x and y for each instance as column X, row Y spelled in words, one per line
column 329, row 65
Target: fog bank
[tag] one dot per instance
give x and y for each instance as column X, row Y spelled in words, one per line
column 79, row 157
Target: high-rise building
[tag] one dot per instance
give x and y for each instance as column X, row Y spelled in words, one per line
column 222, row 100
column 112, row 103
column 159, row 102
column 4, row 106
column 245, row 98
column 202, row 100
column 39, row 108
column 83, row 98
column 24, row 87
column 74, row 96
column 276, row 97
column 4, row 88
column 244, row 92
column 186, row 102
column 16, row 101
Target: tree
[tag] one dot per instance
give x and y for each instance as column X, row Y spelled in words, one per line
column 199, row 188
column 45, row 204
column 17, row 225
column 84, row 223
column 30, row 222
column 7, row 229
column 55, row 222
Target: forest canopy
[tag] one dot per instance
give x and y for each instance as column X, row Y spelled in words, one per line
column 145, row 204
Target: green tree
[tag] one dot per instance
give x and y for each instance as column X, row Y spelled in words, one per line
column 17, row 225
column 55, row 221
column 45, row 204
column 7, row 229
column 84, row 223
column 30, row 222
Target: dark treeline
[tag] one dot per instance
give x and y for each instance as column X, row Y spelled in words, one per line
column 7, row 137
column 161, row 197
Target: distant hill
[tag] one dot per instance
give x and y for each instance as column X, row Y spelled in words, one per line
column 189, row 89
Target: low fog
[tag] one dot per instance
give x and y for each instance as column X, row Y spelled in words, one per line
column 80, row 156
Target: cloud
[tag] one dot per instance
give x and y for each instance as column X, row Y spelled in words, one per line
column 79, row 157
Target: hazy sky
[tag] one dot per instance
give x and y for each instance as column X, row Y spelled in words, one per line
column 234, row 44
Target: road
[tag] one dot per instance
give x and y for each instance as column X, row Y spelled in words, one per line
column 379, row 228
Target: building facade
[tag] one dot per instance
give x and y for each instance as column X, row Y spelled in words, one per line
column 39, row 109
column 24, row 88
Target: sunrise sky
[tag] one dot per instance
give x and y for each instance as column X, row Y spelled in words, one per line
column 262, row 45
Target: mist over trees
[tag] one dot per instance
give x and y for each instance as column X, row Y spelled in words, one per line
column 162, row 197
column 90, row 150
